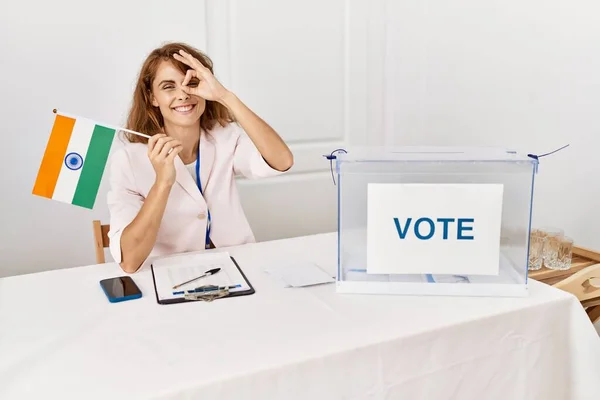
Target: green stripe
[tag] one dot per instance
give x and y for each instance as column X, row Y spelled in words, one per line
column 93, row 167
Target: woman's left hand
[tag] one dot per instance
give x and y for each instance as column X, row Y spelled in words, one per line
column 208, row 87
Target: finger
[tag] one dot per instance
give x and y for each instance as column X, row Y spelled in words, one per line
column 160, row 144
column 182, row 59
column 157, row 146
column 154, row 138
column 174, row 152
column 189, row 75
column 192, row 91
column 152, row 141
column 188, row 59
column 167, row 148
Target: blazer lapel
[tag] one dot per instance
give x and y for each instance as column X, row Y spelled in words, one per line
column 207, row 158
column 187, row 182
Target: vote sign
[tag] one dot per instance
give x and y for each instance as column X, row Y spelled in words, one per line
column 434, row 228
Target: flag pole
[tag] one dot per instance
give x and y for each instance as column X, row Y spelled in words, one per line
column 55, row 111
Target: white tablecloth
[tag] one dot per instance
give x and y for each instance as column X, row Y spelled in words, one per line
column 61, row 338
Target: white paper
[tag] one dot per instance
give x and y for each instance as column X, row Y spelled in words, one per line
column 404, row 246
column 300, row 274
column 171, row 271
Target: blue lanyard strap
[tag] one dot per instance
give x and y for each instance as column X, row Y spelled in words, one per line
column 199, row 183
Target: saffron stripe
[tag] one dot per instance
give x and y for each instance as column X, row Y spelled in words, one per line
column 93, row 167
column 53, row 156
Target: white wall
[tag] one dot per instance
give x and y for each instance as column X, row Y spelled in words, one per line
column 522, row 74
column 324, row 73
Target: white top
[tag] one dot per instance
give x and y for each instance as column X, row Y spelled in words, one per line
column 61, row 338
column 192, row 169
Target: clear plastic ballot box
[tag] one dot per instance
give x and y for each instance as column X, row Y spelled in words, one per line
column 434, row 221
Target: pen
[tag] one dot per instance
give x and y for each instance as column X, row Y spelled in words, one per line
column 207, row 273
column 207, row 289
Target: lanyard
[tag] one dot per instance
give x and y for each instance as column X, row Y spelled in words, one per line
column 199, row 183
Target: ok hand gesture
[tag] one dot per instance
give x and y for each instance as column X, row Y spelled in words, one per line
column 207, row 87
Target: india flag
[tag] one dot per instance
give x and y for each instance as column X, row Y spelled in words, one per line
column 74, row 161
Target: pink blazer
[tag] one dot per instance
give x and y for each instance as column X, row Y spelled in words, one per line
column 224, row 153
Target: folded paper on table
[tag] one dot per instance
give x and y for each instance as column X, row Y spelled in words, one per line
column 300, row 274
column 170, row 271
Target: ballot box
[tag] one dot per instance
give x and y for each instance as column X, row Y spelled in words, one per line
column 433, row 221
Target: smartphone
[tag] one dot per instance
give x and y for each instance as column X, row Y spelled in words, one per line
column 121, row 288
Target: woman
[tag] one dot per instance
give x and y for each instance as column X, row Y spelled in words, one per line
column 175, row 192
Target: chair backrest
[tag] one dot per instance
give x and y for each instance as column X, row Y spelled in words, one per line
column 101, row 240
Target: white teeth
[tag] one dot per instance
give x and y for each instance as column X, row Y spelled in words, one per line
column 183, row 108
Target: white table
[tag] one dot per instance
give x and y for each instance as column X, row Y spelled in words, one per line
column 61, row 338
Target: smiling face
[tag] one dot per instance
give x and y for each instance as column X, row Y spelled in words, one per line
column 176, row 106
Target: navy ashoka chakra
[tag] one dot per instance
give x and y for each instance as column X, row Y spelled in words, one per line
column 73, row 161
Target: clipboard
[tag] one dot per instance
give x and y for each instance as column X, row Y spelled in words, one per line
column 248, row 290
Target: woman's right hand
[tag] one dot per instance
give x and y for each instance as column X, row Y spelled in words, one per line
column 159, row 146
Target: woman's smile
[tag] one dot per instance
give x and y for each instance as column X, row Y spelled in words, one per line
column 185, row 109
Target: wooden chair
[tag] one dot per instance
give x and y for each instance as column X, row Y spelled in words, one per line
column 101, row 240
